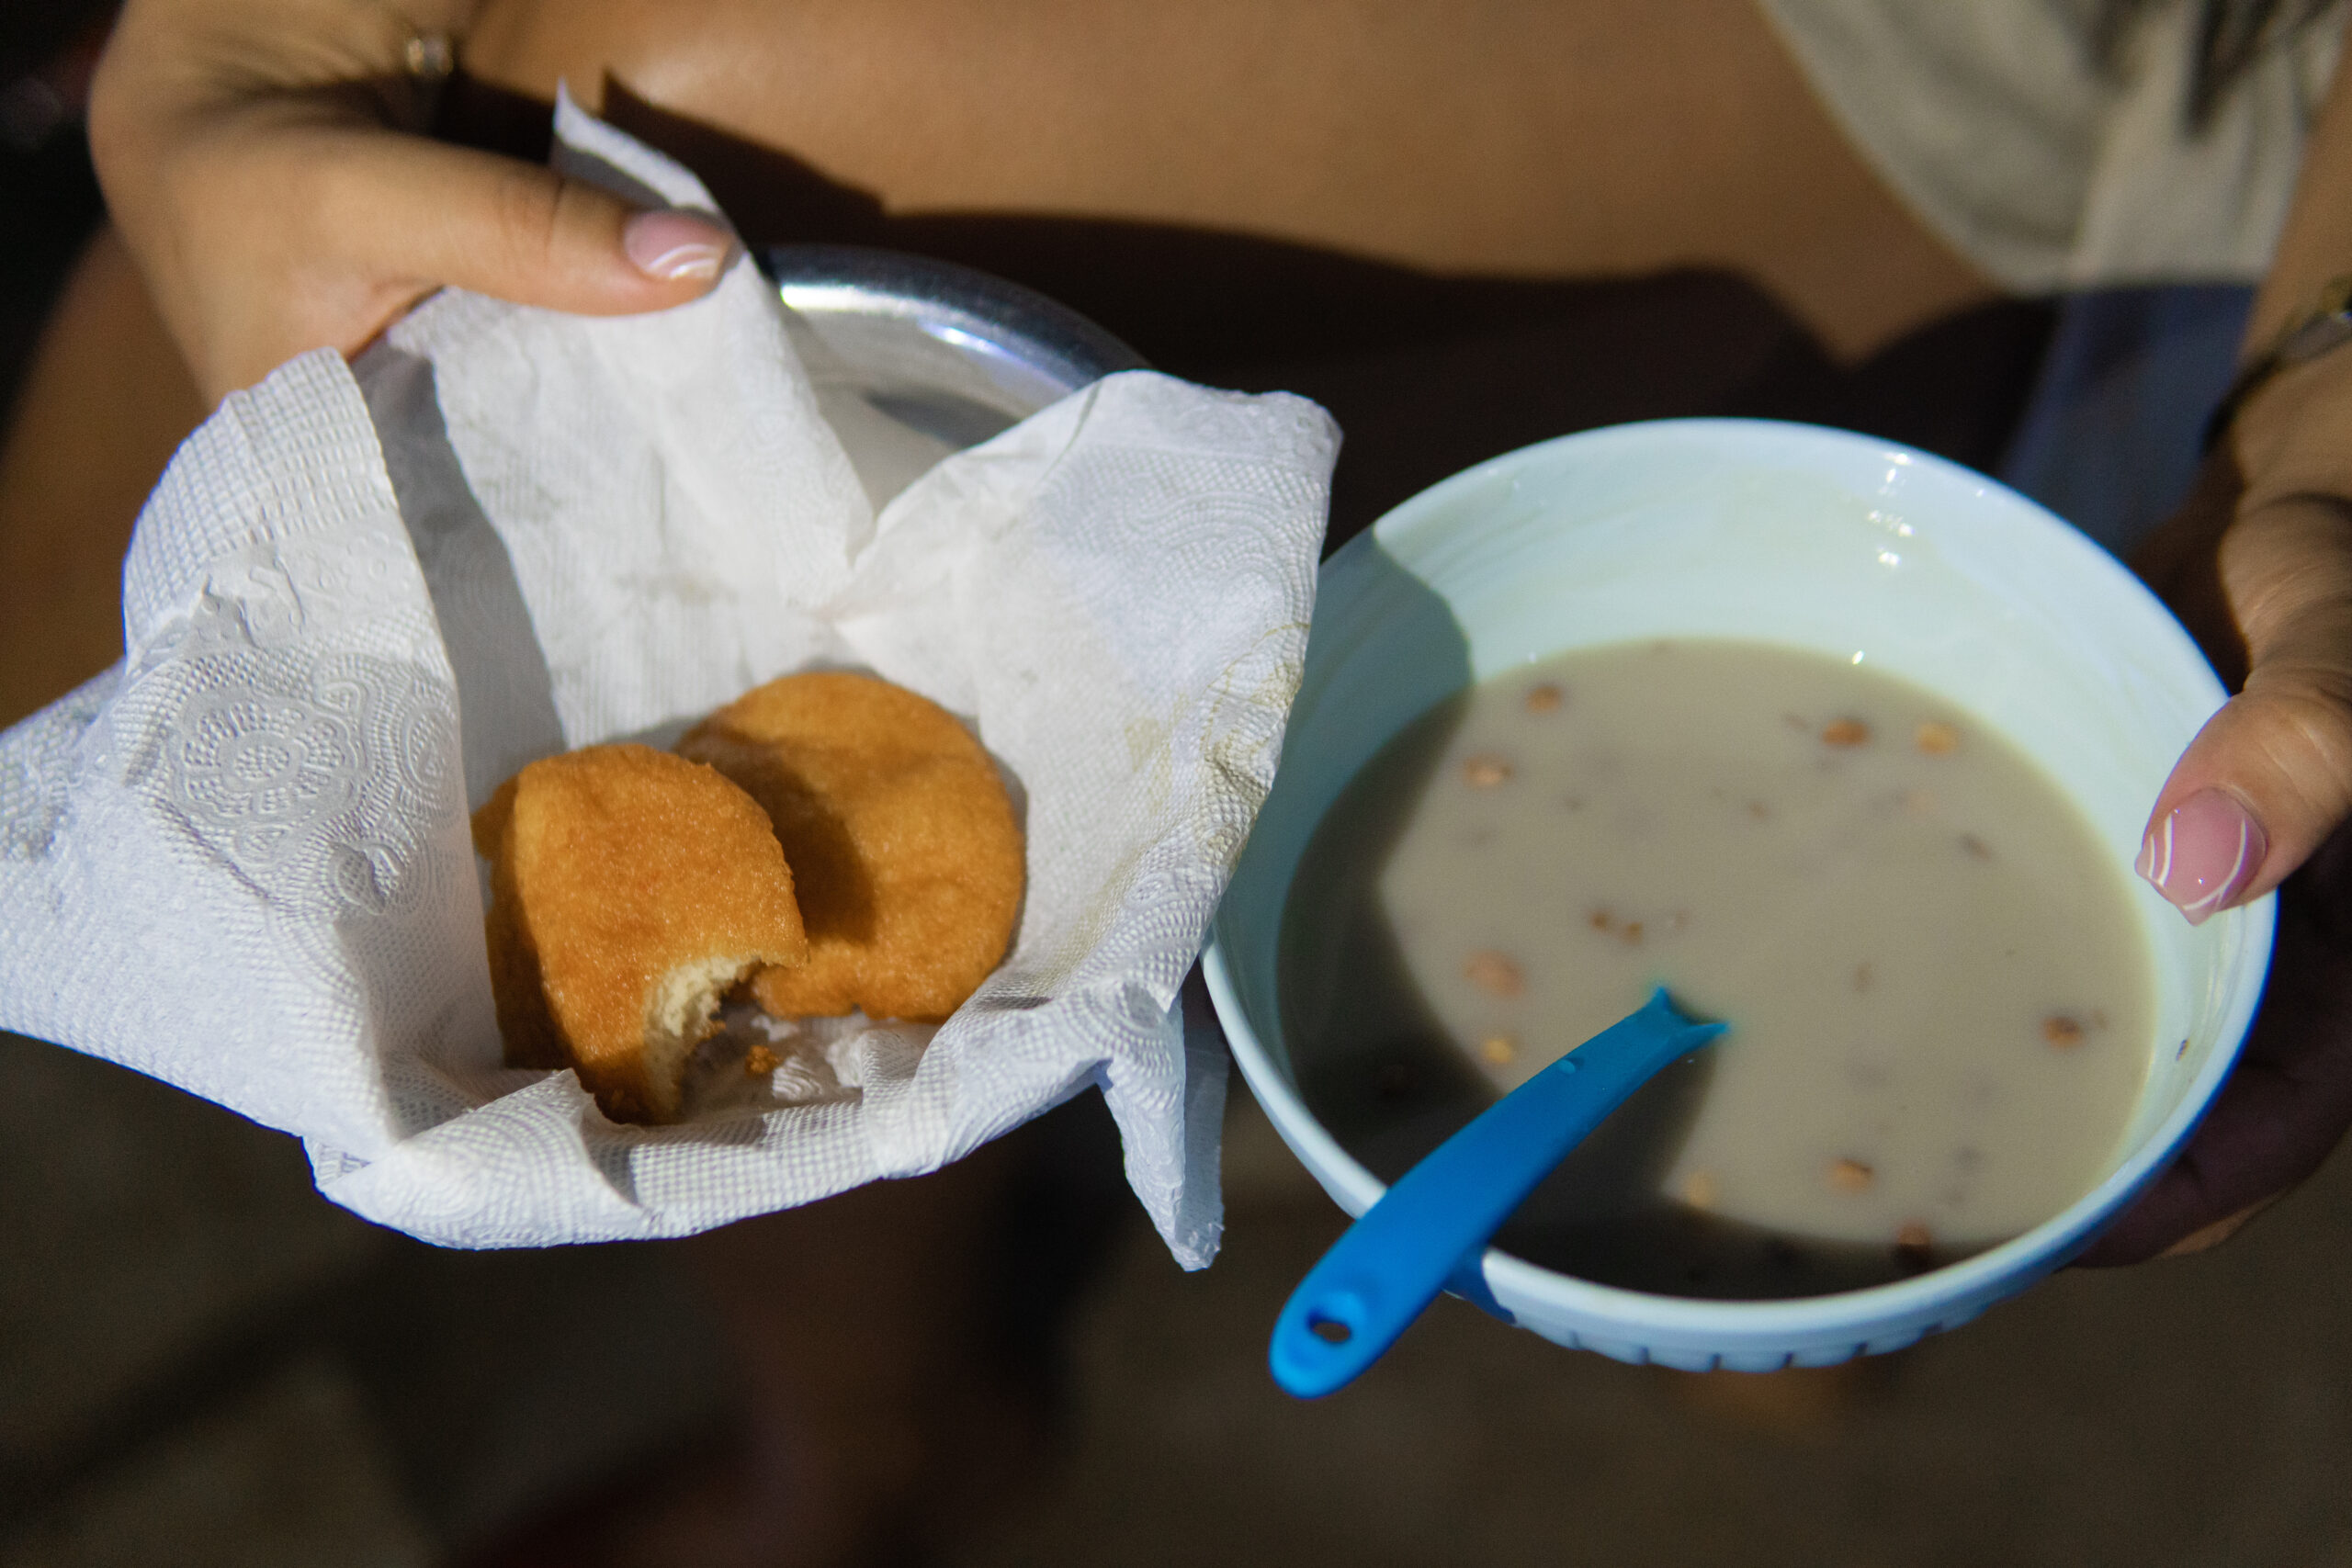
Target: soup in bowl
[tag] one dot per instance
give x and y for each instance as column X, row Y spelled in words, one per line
column 1842, row 743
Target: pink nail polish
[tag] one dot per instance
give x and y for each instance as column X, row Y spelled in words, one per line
column 670, row 245
column 2203, row 853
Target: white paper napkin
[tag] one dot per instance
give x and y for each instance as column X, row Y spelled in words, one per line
column 239, row 861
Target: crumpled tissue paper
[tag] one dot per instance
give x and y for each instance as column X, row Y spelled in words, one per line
column 364, row 595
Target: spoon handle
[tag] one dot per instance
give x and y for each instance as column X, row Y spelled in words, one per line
column 1393, row 1262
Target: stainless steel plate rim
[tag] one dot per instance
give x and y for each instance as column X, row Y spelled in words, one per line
column 968, row 309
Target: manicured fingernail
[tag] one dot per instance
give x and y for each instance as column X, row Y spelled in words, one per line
column 2203, row 853
column 670, row 245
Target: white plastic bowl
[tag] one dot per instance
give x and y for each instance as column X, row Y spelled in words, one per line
column 1813, row 538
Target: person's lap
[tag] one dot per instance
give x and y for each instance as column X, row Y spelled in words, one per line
column 1521, row 138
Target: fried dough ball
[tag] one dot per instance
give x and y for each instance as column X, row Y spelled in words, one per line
column 902, row 842
column 629, row 889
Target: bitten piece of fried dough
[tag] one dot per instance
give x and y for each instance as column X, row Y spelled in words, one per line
column 630, row 888
column 903, row 841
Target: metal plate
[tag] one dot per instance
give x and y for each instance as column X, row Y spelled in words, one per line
column 913, row 359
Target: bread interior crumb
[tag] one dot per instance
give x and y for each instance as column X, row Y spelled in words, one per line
column 682, row 1012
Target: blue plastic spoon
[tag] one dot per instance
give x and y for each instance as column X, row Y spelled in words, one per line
column 1436, row 1218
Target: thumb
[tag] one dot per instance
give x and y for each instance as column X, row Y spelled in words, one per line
column 360, row 222
column 2270, row 776
column 453, row 216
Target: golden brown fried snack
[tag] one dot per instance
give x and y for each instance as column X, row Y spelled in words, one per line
column 630, row 888
column 902, row 842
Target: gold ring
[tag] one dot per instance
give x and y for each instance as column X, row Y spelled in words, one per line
column 430, row 56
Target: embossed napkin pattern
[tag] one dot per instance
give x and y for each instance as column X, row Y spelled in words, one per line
column 239, row 859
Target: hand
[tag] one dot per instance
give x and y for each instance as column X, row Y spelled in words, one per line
column 2289, row 1100
column 2261, row 571
column 263, row 161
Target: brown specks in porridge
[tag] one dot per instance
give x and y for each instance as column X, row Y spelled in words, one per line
column 1545, row 698
column 1915, row 1244
column 1486, row 771
column 1845, row 732
column 1888, row 925
column 2063, row 1030
column 1494, row 972
column 1936, row 738
column 1850, row 1175
column 1605, row 920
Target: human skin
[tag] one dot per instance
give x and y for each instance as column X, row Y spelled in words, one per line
column 1523, row 138
column 265, row 205
column 260, row 161
column 273, row 205
column 2258, row 565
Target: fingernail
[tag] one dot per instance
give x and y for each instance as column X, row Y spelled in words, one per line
column 2202, row 853
column 676, row 244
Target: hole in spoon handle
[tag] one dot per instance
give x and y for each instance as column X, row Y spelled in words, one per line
column 1323, row 1339
column 1435, row 1220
